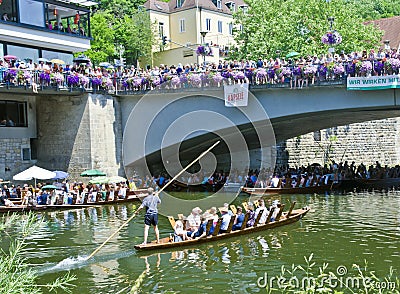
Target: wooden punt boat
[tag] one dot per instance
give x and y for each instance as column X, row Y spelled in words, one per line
column 282, row 219
column 295, row 190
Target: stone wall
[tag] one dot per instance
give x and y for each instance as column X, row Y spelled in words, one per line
column 11, row 157
column 362, row 142
column 77, row 133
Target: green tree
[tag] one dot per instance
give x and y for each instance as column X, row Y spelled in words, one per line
column 102, row 45
column 121, row 22
column 298, row 25
column 375, row 9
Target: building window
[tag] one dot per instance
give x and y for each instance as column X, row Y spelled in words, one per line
column 179, row 3
column 208, row 24
column 23, row 52
column 26, row 154
column 220, row 26
column 244, row 8
column 219, row 4
column 13, row 114
column 182, row 28
column 31, row 12
column 161, row 29
column 233, row 7
column 231, row 28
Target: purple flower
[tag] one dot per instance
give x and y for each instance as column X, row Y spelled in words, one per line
column 239, row 76
column 379, row 65
column 286, row 72
column 338, row 69
column 96, row 81
column 44, row 77
column 175, row 81
column 218, row 78
column 271, row 73
column 204, row 50
column 136, row 82
column 297, row 71
column 322, row 70
column 125, row 83
column 395, row 63
column 331, row 38
column 195, row 80
column 249, row 74
column 145, row 81
column 156, row 81
column 183, row 79
column 351, row 68
column 72, row 80
column 58, row 78
column 27, row 75
column 84, row 80
column 310, row 70
column 261, row 73
column 366, row 66
column 226, row 74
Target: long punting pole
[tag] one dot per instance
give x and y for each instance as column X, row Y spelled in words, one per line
column 166, row 185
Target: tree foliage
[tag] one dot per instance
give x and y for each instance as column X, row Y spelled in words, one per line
column 375, row 9
column 272, row 26
column 120, row 24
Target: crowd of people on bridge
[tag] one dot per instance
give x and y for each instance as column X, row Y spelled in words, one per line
column 296, row 72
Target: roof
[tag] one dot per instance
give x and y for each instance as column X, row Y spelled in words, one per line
column 170, row 7
column 391, row 28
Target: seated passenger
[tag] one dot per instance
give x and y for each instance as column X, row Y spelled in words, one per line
column 226, row 218
column 239, row 219
column 276, row 206
column 179, row 233
column 261, row 206
column 252, row 215
column 193, row 221
column 201, row 232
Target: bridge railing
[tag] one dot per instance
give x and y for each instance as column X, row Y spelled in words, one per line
column 36, row 81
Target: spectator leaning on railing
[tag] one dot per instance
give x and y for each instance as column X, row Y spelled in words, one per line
column 294, row 73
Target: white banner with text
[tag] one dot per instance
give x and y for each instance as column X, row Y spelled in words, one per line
column 236, row 95
column 373, row 83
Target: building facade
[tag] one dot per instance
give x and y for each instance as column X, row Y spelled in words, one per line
column 30, row 30
column 186, row 24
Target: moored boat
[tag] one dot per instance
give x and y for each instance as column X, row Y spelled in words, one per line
column 286, row 218
column 290, row 190
column 25, row 208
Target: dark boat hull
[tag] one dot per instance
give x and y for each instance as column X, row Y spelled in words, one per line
column 297, row 190
column 165, row 243
column 369, row 184
column 52, row 207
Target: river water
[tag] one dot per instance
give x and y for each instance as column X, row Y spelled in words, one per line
column 340, row 230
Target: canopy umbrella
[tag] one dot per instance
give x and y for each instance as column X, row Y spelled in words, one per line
column 292, row 54
column 99, row 180
column 43, row 59
column 57, row 61
column 92, row 173
column 60, row 175
column 49, row 187
column 116, row 179
column 81, row 59
column 34, row 172
column 104, row 64
column 10, row 57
